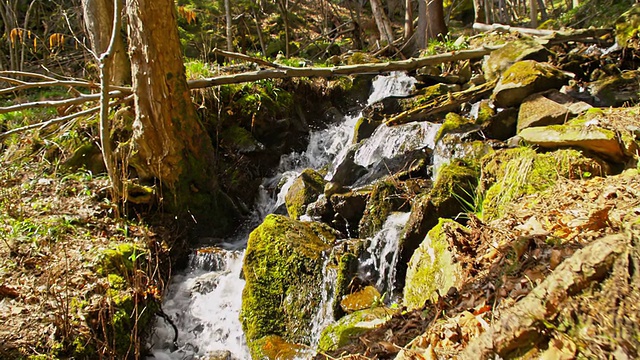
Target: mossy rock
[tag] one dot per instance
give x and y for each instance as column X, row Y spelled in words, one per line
column 87, row 156
column 425, row 95
column 454, row 123
column 283, row 272
column 511, row 173
column 385, row 198
column 121, row 259
column 628, row 25
column 574, row 134
column 432, row 267
column 454, row 184
column 304, row 190
column 525, row 48
column 617, row 89
column 525, row 78
column 364, row 128
column 349, row 327
column 239, row 139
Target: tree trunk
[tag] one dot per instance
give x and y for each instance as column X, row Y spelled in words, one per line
column 533, row 13
column 98, row 18
column 408, row 20
column 478, row 10
column 172, row 146
column 227, row 12
column 435, row 19
column 284, row 10
column 382, row 21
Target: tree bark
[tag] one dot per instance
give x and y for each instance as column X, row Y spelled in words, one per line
column 98, row 19
column 172, row 146
column 435, row 19
column 227, row 12
column 478, row 10
column 408, row 20
column 382, row 21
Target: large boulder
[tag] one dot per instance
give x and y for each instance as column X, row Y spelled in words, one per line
column 455, row 181
column 549, row 108
column 432, row 268
column 525, row 78
column 304, row 190
column 576, row 134
column 283, row 271
column 522, row 49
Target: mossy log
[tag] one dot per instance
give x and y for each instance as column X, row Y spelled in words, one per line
column 442, row 104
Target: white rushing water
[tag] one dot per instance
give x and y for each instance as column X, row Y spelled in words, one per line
column 204, row 300
column 383, row 251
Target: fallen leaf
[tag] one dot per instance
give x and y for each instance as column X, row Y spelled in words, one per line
column 7, row 291
column 559, row 349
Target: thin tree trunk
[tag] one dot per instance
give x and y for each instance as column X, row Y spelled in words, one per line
column 408, row 20
column 98, row 18
column 259, row 31
column 382, row 21
column 284, row 10
column 227, row 12
column 533, row 13
column 435, row 19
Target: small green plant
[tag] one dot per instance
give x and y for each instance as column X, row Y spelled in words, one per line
column 471, row 199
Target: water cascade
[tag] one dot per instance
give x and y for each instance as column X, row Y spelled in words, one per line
column 383, row 252
column 204, row 300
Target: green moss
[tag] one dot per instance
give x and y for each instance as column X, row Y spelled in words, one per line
column 381, row 203
column 451, row 177
column 452, row 123
column 305, row 189
column 349, row 327
column 432, row 267
column 120, row 259
column 509, row 174
column 525, row 72
column 427, row 94
column 283, row 272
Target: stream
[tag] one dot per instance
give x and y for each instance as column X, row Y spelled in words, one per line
column 204, row 300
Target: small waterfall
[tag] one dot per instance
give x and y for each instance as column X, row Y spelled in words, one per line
column 384, row 252
column 212, row 283
column 204, row 301
column 324, row 316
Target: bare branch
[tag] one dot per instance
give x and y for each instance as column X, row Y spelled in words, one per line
column 403, row 65
column 55, row 103
column 46, row 124
column 68, row 83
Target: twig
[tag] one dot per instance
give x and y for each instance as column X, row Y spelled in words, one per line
column 45, row 124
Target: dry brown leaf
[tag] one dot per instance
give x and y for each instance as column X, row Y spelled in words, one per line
column 7, row 291
column 559, row 349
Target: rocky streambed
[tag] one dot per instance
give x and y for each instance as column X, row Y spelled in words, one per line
column 494, row 228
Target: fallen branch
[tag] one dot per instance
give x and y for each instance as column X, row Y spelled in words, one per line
column 508, row 28
column 402, row 65
column 442, row 104
column 46, row 124
column 549, row 36
column 522, row 324
column 66, row 83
